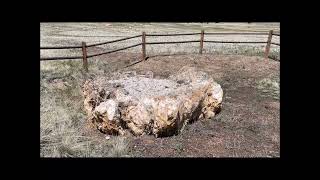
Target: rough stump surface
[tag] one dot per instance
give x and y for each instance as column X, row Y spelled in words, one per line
column 141, row 104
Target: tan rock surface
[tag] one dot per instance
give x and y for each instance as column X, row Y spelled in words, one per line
column 142, row 105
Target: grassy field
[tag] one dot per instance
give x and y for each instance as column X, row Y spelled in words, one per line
column 247, row 126
column 57, row 34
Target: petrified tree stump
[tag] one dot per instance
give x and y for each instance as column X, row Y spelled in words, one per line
column 141, row 104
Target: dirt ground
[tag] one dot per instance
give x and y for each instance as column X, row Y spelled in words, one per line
column 247, row 126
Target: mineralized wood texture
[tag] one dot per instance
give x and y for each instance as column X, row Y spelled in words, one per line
column 141, row 104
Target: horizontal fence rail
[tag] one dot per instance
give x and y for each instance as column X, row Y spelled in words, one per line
column 108, row 42
column 144, row 43
column 60, row 47
column 181, row 34
column 250, row 42
column 60, row 58
column 93, row 55
column 231, row 33
column 171, row 42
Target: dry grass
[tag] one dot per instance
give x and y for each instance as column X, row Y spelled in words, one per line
column 269, row 87
column 63, row 119
column 56, row 34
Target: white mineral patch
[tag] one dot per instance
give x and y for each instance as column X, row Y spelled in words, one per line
column 107, row 109
column 141, row 87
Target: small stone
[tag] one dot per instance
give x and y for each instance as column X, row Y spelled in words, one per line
column 107, row 137
column 180, row 81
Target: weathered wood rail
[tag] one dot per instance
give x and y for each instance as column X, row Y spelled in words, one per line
column 202, row 34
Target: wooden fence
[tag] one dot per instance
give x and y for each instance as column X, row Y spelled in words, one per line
column 143, row 43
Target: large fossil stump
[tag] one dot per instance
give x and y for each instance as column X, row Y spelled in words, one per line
column 141, row 104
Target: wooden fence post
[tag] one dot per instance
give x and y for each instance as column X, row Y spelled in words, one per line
column 201, row 41
column 143, row 46
column 84, row 56
column 268, row 44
